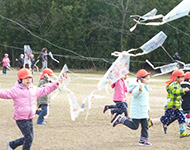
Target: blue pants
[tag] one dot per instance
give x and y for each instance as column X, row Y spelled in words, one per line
column 42, row 113
column 4, row 70
column 171, row 115
column 26, row 127
column 119, row 108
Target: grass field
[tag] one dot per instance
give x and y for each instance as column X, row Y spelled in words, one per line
column 95, row 133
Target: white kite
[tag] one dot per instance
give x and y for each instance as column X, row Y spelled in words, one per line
column 121, row 65
column 117, row 70
column 167, row 68
column 149, row 46
column 181, row 10
column 51, row 55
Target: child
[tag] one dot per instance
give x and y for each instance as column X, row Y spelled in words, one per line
column 173, row 105
column 21, row 61
column 43, row 101
column 186, row 98
column 139, row 107
column 32, row 62
column 44, row 58
column 25, row 95
column 118, row 98
column 6, row 62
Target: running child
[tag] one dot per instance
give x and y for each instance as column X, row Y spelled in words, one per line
column 139, row 107
column 24, row 96
column 172, row 107
column 119, row 98
column 43, row 102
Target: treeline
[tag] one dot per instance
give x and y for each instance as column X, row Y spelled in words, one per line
column 81, row 30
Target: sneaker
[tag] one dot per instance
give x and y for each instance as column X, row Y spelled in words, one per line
column 105, row 109
column 150, row 123
column 116, row 120
column 144, row 143
column 111, row 114
column 9, row 147
column 164, row 127
column 41, row 123
column 188, row 127
column 184, row 134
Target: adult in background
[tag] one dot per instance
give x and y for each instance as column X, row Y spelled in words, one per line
column 6, row 62
column 21, row 61
column 176, row 57
column 44, row 58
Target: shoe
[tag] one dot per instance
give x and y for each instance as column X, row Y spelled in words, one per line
column 150, row 123
column 184, row 134
column 9, row 147
column 116, row 120
column 144, row 143
column 41, row 123
column 111, row 114
column 105, row 109
column 164, row 127
column 188, row 127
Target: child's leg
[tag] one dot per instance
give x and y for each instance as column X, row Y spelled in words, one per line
column 42, row 114
column 144, row 130
column 134, row 124
column 26, row 127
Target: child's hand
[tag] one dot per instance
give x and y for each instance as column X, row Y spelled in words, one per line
column 140, row 87
column 187, row 89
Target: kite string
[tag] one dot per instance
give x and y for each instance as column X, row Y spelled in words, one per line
column 46, row 39
column 167, row 53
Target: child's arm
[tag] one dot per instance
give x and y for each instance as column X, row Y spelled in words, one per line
column 6, row 94
column 175, row 90
column 47, row 89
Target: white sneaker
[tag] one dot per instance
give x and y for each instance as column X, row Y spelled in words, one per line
column 9, row 148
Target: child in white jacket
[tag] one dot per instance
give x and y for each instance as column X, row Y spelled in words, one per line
column 139, row 107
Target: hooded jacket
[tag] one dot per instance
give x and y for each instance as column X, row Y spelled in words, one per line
column 25, row 99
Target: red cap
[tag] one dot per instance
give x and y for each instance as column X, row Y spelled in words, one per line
column 175, row 74
column 187, row 75
column 46, row 71
column 142, row 73
column 24, row 73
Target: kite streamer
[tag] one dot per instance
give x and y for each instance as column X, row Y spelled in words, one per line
column 181, row 10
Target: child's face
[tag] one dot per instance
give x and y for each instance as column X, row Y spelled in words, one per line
column 27, row 81
column 179, row 79
column 145, row 80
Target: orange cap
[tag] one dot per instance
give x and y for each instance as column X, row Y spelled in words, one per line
column 187, row 75
column 46, row 71
column 142, row 73
column 24, row 73
column 175, row 74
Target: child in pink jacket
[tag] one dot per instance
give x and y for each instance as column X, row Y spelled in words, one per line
column 6, row 62
column 119, row 98
column 25, row 95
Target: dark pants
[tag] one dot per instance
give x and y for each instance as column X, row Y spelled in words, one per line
column 119, row 108
column 4, row 70
column 134, row 125
column 26, row 127
column 172, row 115
column 42, row 113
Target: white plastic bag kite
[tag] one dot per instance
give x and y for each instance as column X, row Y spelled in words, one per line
column 51, row 55
column 27, row 55
column 117, row 70
column 149, row 46
column 165, row 68
column 74, row 106
column 181, row 10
